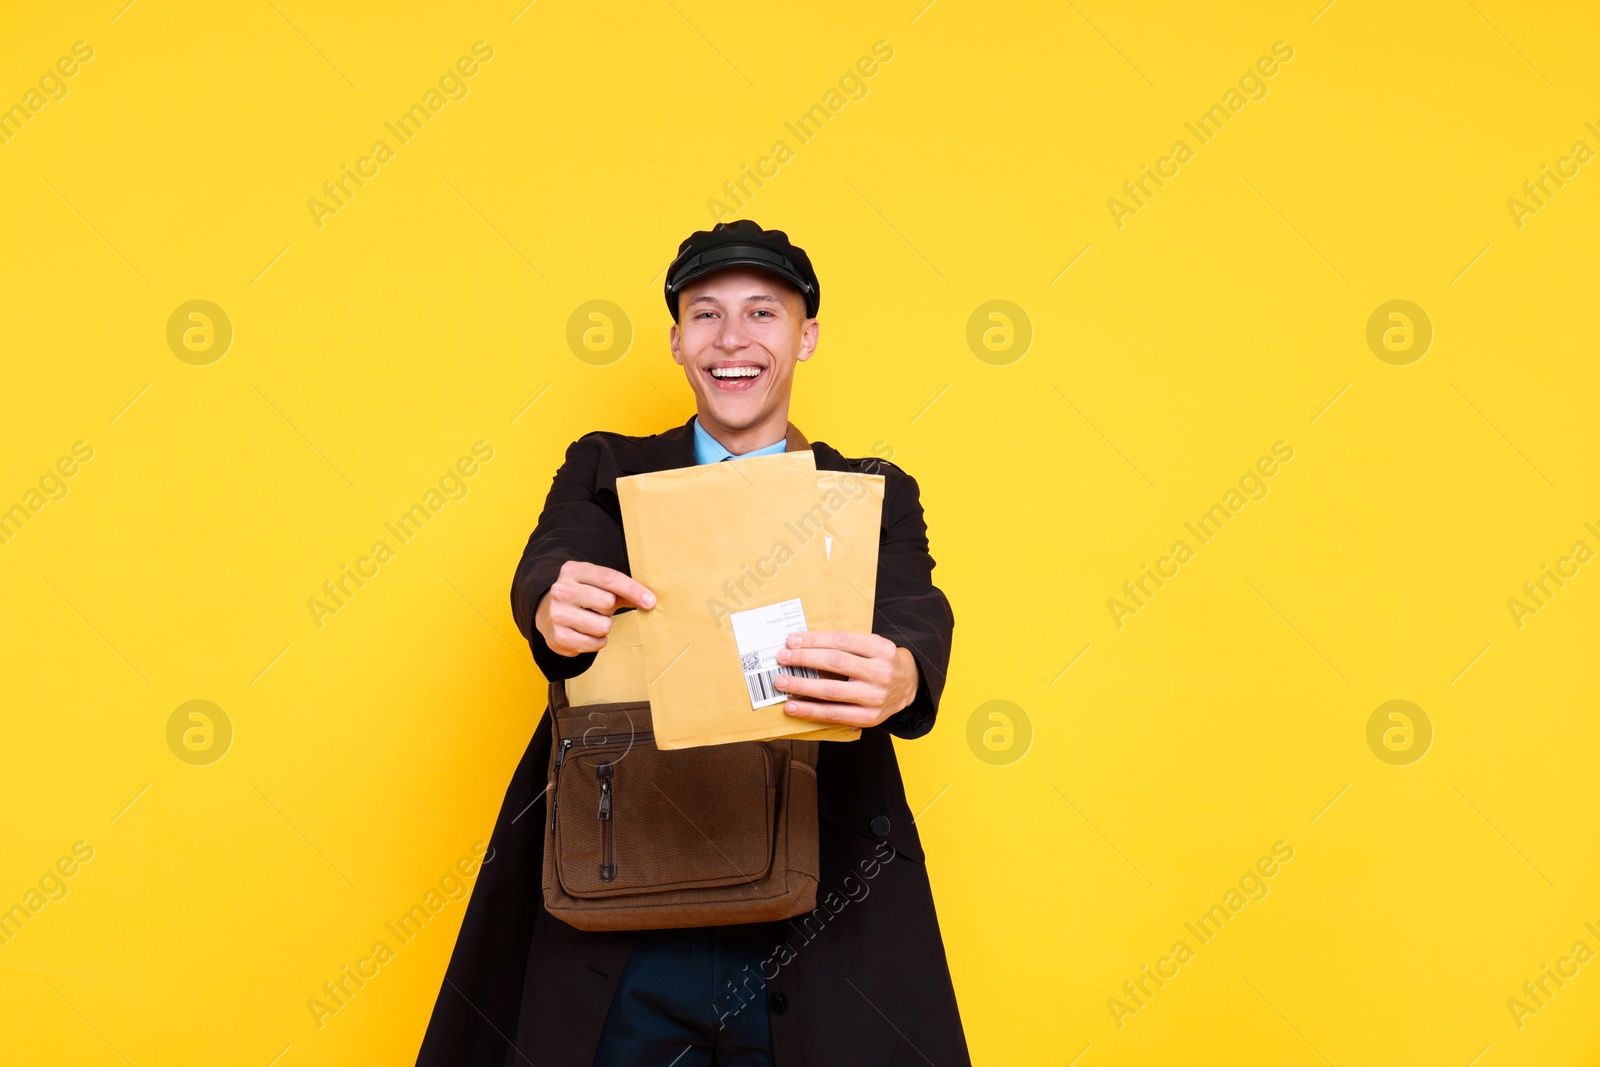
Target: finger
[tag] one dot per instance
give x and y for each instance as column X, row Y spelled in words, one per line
column 581, row 620
column 621, row 584
column 830, row 689
column 821, row 711
column 844, row 640
column 592, row 597
column 846, row 663
column 570, row 642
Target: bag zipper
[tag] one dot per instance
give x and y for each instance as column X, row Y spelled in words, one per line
column 555, row 775
column 605, row 772
column 566, row 745
column 564, row 749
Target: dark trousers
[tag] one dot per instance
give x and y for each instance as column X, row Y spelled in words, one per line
column 690, row 998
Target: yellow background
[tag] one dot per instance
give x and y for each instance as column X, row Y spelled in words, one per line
column 368, row 354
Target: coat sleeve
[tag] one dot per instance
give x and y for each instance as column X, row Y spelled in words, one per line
column 573, row 525
column 910, row 610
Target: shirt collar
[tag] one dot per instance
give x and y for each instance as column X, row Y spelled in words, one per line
column 708, row 449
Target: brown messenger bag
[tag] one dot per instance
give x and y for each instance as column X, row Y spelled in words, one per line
column 637, row 838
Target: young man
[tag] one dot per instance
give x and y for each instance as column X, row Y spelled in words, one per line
column 863, row 978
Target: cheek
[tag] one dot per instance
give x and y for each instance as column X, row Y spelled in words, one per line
column 691, row 341
column 783, row 341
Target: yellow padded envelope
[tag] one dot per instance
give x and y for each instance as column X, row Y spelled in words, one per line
column 851, row 547
column 721, row 538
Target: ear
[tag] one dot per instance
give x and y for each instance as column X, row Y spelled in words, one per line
column 808, row 339
column 672, row 340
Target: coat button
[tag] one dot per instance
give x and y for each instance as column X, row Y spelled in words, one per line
column 880, row 826
column 777, row 1003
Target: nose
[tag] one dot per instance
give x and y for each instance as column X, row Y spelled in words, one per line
column 732, row 336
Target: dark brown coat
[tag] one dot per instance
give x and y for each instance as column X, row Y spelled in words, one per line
column 863, row 980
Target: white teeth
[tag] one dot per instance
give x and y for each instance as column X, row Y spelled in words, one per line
column 735, row 372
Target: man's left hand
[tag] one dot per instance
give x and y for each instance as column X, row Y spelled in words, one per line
column 879, row 679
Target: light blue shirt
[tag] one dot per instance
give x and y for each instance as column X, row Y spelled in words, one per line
column 708, row 449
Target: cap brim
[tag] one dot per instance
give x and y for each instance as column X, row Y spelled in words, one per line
column 736, row 255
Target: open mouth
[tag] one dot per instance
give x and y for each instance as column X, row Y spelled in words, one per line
column 736, row 377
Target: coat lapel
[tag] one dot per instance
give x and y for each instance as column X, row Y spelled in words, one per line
column 658, row 452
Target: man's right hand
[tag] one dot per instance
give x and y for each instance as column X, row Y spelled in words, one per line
column 575, row 615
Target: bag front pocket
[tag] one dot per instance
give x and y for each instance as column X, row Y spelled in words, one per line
column 631, row 819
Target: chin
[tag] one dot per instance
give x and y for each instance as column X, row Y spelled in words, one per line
column 737, row 414
column 743, row 422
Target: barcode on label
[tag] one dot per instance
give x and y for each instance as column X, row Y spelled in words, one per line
column 762, row 690
column 760, row 634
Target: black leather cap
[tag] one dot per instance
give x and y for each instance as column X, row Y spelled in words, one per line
column 742, row 243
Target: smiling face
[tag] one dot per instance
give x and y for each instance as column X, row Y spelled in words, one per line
column 740, row 334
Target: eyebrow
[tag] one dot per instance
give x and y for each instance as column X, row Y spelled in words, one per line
column 763, row 298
